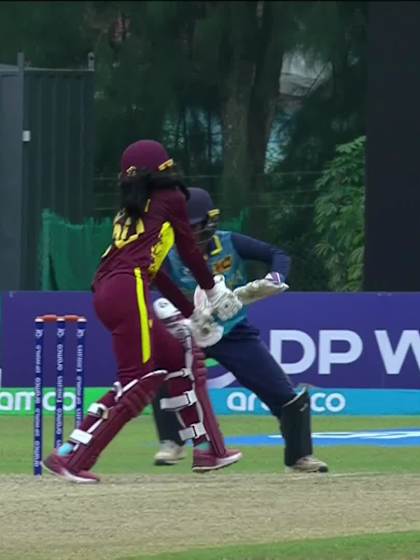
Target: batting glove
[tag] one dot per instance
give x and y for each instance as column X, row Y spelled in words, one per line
column 223, row 301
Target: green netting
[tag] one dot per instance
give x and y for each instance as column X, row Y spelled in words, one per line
column 69, row 253
column 236, row 224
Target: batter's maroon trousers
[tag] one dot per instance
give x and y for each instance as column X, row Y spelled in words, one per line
column 140, row 341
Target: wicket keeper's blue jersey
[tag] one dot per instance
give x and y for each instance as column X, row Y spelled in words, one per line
column 227, row 255
column 222, row 258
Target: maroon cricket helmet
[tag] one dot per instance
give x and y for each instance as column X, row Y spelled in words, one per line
column 145, row 155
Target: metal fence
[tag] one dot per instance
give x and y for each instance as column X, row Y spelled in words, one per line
column 293, row 192
column 281, row 213
column 46, row 159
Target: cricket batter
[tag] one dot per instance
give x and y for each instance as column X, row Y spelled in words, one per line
column 153, row 217
column 241, row 349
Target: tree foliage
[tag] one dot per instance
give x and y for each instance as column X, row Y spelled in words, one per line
column 333, row 34
column 333, row 112
column 339, row 216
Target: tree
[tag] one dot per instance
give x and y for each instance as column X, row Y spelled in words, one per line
column 51, row 34
column 247, row 41
column 333, row 112
column 339, row 216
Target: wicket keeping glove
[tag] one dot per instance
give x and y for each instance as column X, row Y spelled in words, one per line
column 271, row 285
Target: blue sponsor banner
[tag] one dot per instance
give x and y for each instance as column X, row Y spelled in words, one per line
column 361, row 340
column 325, row 402
column 360, row 349
column 240, row 401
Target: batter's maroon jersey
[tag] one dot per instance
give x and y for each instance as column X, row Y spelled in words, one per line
column 144, row 349
column 146, row 244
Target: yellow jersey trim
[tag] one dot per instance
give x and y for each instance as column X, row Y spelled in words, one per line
column 161, row 249
column 217, row 246
column 146, row 347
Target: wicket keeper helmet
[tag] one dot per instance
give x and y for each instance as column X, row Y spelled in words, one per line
column 145, row 155
column 203, row 215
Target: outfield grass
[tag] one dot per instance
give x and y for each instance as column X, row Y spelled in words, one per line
column 390, row 546
column 248, row 506
column 133, row 449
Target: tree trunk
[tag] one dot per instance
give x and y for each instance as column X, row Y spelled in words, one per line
column 265, row 91
column 186, row 147
column 239, row 66
column 235, row 166
column 252, row 56
column 209, row 141
column 263, row 106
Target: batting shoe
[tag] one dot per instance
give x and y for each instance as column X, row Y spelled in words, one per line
column 204, row 461
column 170, row 453
column 308, row 464
column 57, row 466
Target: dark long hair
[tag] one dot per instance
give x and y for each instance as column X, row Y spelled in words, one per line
column 136, row 189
